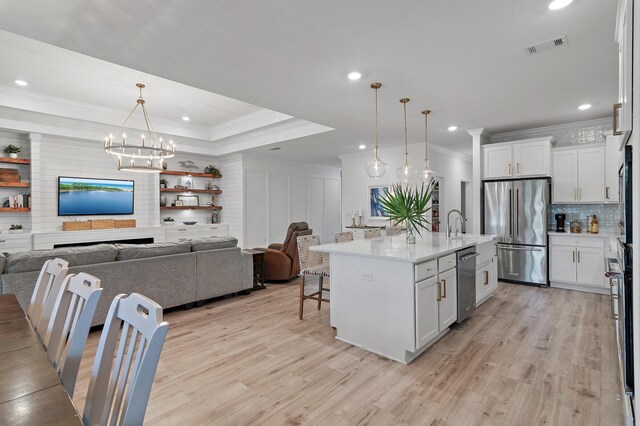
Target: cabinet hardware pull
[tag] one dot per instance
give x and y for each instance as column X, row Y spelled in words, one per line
column 444, row 295
column 575, row 194
column 486, row 277
column 509, row 168
column 614, row 296
column 606, row 192
column 517, row 168
column 439, row 296
column 579, row 194
column 578, row 256
column 574, row 256
column 616, row 108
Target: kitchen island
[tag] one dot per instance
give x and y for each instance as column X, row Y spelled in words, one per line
column 395, row 299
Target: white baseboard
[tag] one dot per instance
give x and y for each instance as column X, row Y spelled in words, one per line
column 579, row 287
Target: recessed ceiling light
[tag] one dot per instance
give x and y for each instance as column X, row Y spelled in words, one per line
column 452, row 128
column 21, row 82
column 584, row 107
column 185, row 118
column 355, row 75
column 362, row 146
column 559, row 4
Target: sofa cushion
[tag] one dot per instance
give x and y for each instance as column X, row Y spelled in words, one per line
column 76, row 256
column 213, row 243
column 142, row 251
column 3, row 262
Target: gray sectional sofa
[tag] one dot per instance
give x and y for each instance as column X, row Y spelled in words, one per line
column 172, row 274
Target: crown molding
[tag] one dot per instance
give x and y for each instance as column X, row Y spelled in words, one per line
column 523, row 133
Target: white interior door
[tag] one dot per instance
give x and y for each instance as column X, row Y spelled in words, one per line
column 255, row 187
column 299, row 199
column 278, row 207
column 316, row 206
column 332, row 209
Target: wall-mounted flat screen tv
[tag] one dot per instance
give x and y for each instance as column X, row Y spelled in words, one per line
column 87, row 196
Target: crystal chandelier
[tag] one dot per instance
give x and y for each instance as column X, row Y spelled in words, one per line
column 406, row 173
column 427, row 174
column 376, row 168
column 143, row 155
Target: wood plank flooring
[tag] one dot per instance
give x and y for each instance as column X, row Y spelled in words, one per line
column 527, row 356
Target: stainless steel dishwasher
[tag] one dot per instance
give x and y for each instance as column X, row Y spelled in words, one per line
column 466, row 282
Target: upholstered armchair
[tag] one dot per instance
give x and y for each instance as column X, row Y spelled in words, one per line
column 281, row 262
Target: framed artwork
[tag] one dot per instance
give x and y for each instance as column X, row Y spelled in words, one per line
column 376, row 212
column 177, row 203
column 187, row 182
column 189, row 200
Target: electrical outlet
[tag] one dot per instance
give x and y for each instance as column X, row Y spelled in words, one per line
column 367, row 276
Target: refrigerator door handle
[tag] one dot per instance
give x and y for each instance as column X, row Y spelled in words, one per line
column 510, row 215
column 517, row 212
column 517, row 248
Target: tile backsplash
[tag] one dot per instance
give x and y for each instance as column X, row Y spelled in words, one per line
column 608, row 215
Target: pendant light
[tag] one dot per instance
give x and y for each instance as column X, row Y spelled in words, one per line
column 427, row 174
column 376, row 168
column 406, row 173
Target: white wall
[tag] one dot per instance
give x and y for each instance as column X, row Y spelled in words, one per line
column 451, row 169
column 278, row 192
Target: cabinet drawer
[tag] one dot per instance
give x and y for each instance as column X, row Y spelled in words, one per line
column 447, row 262
column 592, row 242
column 426, row 270
column 181, row 234
column 212, row 231
column 486, row 252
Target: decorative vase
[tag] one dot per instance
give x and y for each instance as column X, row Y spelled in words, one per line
column 163, row 200
column 13, row 155
column 411, row 234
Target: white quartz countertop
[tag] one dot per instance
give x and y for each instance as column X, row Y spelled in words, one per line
column 604, row 233
column 430, row 246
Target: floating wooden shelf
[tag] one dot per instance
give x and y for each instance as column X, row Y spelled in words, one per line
column 15, row 160
column 15, row 209
column 194, row 191
column 15, row 184
column 193, row 174
column 190, row 207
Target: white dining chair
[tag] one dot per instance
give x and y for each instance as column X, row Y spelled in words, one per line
column 134, row 334
column 68, row 330
column 45, row 293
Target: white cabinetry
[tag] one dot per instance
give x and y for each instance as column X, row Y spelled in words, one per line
column 517, row 159
column 427, row 310
column 578, row 175
column 192, row 232
column 613, row 163
column 577, row 262
column 624, row 36
column 486, row 271
column 13, row 243
column 448, row 303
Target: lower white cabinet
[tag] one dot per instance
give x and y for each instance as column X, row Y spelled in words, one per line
column 14, row 243
column 577, row 262
column 486, row 281
column 448, row 302
column 427, row 311
column 192, row 232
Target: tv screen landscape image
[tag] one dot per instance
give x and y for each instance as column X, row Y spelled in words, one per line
column 86, row 196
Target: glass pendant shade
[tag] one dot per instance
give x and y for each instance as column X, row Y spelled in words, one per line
column 376, row 168
column 406, row 173
column 428, row 175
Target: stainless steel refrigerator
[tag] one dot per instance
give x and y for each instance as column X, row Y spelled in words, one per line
column 516, row 211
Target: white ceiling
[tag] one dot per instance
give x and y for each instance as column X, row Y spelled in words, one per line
column 464, row 60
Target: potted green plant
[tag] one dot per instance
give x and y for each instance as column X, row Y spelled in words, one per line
column 12, row 150
column 408, row 205
column 168, row 221
column 15, row 229
column 212, row 170
column 163, row 183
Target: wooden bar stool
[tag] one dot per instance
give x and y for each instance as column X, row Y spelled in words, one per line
column 311, row 263
column 371, row 233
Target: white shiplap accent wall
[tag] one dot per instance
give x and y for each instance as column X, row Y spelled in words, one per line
column 6, row 219
column 54, row 156
column 232, row 197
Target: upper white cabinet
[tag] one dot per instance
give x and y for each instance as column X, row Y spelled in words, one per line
column 578, row 175
column 622, row 112
column 614, row 158
column 525, row 158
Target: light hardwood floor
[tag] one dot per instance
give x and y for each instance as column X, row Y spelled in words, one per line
column 527, row 356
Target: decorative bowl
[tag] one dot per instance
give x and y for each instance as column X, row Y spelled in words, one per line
column 190, row 223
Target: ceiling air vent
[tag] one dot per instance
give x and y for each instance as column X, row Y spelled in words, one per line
column 274, row 149
column 547, row 45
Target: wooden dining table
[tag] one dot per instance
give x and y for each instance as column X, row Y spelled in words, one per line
column 30, row 391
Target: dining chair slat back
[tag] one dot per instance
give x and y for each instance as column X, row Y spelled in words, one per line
column 45, row 293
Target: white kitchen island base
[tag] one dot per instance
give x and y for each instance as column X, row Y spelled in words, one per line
column 392, row 299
